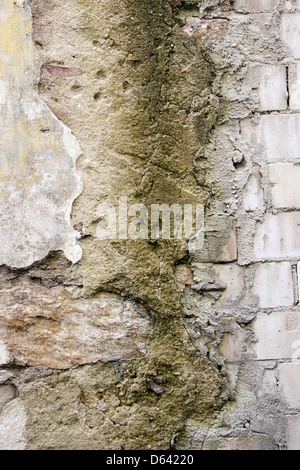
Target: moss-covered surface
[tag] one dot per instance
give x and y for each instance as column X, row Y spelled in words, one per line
column 115, row 406
column 146, row 108
column 161, row 114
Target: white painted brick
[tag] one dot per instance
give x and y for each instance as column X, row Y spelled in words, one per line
column 273, row 284
column 278, row 134
column 278, row 236
column 292, row 4
column 273, row 89
column 293, row 433
column 276, row 335
column 289, row 375
column 4, row 354
column 255, row 5
column 285, row 189
column 290, row 32
column 295, row 91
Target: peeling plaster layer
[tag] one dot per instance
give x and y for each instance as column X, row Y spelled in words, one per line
column 38, row 180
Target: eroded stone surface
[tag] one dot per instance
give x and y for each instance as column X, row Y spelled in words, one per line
column 7, row 394
column 38, row 180
column 47, row 327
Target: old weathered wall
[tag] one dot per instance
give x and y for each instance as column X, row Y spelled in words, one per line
column 142, row 343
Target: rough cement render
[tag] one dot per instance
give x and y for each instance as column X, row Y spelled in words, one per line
column 165, row 100
column 263, row 281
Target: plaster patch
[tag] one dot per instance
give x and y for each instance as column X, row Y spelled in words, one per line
column 38, row 179
column 12, row 426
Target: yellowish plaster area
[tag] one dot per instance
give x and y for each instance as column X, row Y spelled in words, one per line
column 38, row 179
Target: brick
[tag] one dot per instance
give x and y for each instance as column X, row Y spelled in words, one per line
column 285, row 188
column 203, row 29
column 254, row 194
column 293, row 433
column 184, row 274
column 59, row 71
column 298, row 270
column 295, row 90
column 289, row 374
column 255, row 5
column 276, row 334
column 229, row 250
column 273, row 284
column 273, row 89
column 290, row 32
column 278, row 134
column 278, row 236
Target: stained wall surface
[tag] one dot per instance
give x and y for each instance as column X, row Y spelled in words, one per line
column 137, row 342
